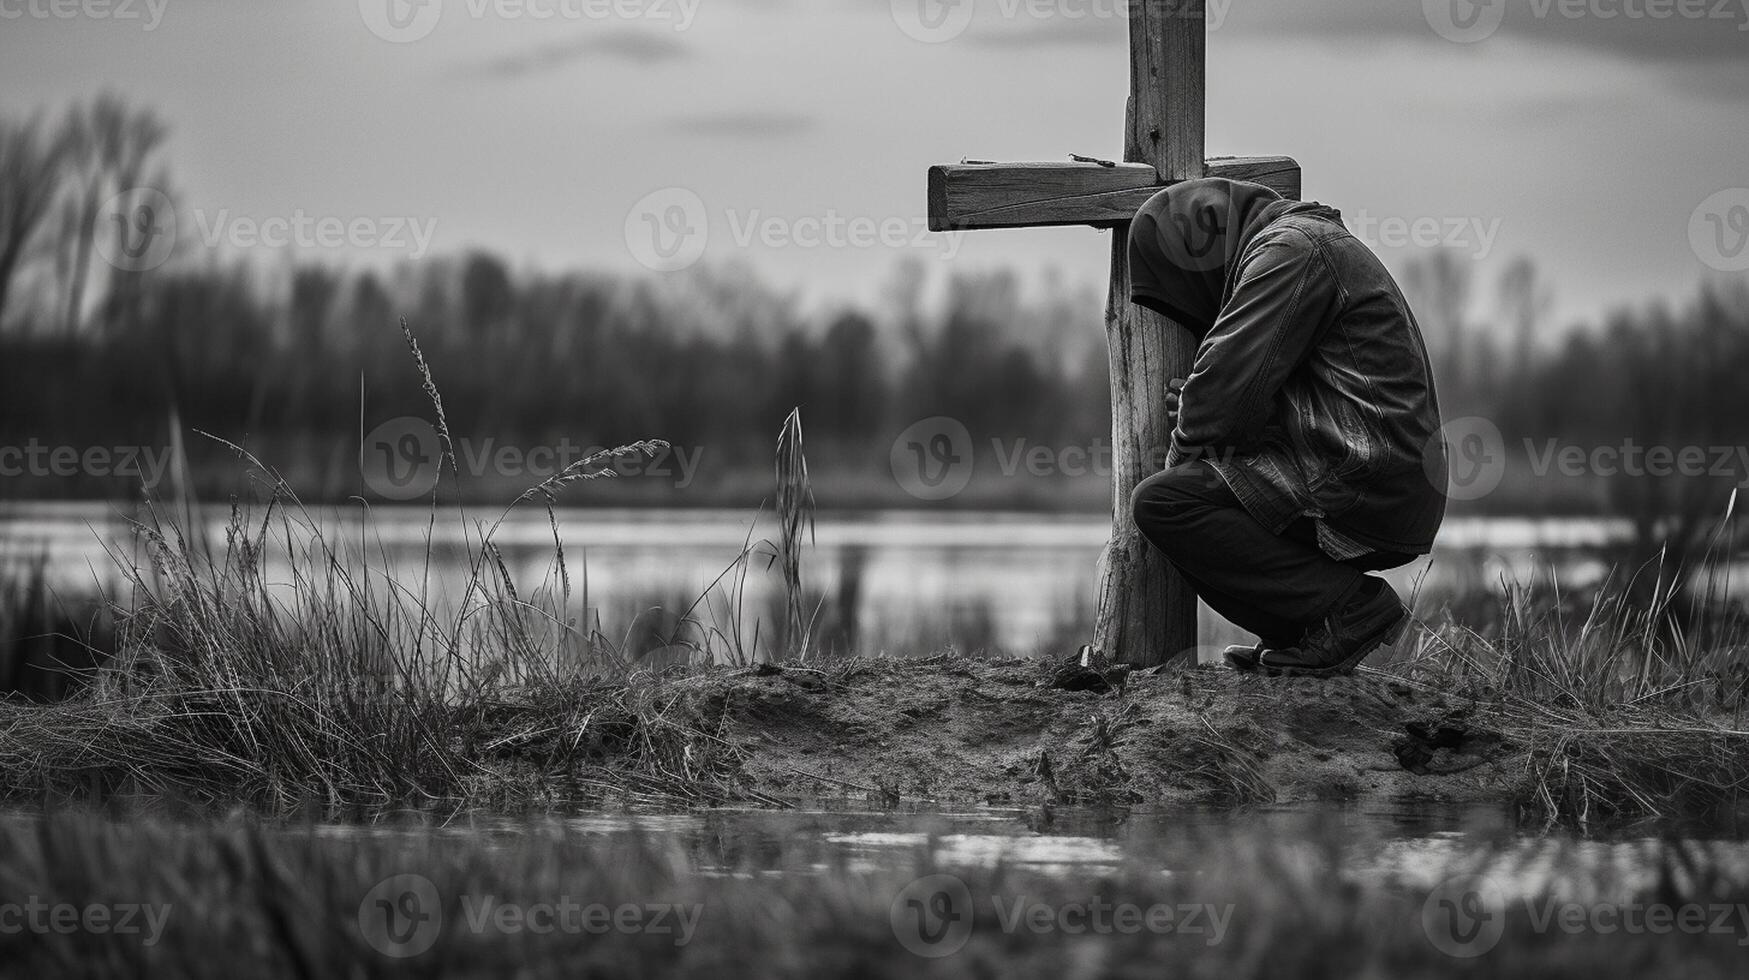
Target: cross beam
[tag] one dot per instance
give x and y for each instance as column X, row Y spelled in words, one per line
column 973, row 196
column 1146, row 613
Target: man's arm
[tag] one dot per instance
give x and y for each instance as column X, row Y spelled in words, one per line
column 1284, row 297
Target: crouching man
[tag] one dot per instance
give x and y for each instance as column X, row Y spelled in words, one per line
column 1306, row 448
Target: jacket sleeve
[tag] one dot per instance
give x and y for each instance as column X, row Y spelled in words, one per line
column 1284, row 297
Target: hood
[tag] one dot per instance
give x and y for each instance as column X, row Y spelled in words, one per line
column 1186, row 242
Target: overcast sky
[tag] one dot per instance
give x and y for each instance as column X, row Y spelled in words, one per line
column 1584, row 140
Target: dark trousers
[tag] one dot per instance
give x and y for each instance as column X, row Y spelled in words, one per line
column 1273, row 585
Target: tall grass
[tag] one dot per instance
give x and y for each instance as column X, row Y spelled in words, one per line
column 1630, row 709
column 294, row 667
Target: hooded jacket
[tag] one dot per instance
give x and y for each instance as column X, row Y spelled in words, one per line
column 1311, row 394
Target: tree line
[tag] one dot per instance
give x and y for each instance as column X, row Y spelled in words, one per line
column 294, row 361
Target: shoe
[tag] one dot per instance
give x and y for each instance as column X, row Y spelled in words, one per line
column 1245, row 658
column 1369, row 617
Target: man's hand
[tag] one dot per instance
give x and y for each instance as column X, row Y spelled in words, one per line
column 1173, row 387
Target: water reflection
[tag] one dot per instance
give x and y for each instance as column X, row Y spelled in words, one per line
column 887, row 582
column 1414, row 845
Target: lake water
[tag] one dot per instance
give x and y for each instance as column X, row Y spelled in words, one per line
column 1417, row 846
column 902, row 581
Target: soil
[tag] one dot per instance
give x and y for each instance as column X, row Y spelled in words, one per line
column 953, row 731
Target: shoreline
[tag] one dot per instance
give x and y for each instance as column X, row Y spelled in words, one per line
column 935, row 732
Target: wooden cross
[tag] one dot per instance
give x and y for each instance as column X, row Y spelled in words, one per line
column 1146, row 614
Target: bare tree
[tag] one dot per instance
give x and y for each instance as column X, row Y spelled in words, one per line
column 30, row 176
column 109, row 145
column 1525, row 299
column 1439, row 291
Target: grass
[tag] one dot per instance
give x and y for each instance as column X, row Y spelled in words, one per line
column 290, row 670
column 1633, row 709
column 239, row 898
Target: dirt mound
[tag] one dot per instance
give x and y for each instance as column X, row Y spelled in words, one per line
column 952, row 731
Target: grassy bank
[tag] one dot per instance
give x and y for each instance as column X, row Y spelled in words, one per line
column 241, row 899
column 314, row 681
column 289, row 671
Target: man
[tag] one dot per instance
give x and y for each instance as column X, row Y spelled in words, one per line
column 1306, row 447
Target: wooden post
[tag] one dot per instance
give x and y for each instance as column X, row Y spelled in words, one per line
column 1146, row 613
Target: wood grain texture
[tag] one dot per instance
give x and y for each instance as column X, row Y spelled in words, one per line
column 1146, row 613
column 972, row 196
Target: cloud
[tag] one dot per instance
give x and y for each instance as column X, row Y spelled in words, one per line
column 637, row 47
column 1055, row 32
column 1694, row 31
column 1693, row 44
column 746, row 125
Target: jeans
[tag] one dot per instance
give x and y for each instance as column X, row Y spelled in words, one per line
column 1273, row 585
